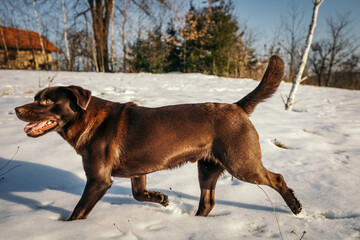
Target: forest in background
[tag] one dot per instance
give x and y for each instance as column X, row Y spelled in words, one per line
column 161, row 36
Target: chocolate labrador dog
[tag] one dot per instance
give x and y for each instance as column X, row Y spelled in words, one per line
column 127, row 140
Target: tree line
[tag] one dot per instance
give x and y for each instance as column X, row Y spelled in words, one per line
column 179, row 36
column 208, row 42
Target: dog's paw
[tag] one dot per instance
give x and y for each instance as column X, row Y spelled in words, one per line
column 165, row 200
column 296, row 209
column 295, row 205
column 162, row 198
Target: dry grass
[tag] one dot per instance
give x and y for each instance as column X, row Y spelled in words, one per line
column 280, row 144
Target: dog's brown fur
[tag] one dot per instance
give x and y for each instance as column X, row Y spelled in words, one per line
column 126, row 140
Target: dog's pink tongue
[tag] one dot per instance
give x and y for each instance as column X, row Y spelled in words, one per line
column 34, row 126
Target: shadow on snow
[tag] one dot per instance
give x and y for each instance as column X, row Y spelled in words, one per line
column 33, row 177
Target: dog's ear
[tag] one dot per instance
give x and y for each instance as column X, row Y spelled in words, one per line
column 82, row 95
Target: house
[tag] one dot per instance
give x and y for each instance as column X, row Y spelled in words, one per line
column 21, row 49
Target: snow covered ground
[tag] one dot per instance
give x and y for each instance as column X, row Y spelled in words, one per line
column 46, row 179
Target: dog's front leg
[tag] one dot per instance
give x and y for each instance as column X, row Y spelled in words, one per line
column 138, row 185
column 93, row 192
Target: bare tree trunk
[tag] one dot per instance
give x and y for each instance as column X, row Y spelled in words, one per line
column 185, row 58
column 93, row 49
column 40, row 38
column 5, row 45
column 33, row 62
column 36, row 64
column 101, row 14
column 339, row 43
column 112, row 37
column 65, row 37
column 123, row 35
column 318, row 59
column 293, row 36
column 329, row 73
column 17, row 65
column 298, row 78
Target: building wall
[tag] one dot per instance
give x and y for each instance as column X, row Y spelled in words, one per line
column 24, row 59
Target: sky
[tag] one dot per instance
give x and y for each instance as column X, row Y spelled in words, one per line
column 263, row 16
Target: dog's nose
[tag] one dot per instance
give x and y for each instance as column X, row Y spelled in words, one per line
column 18, row 110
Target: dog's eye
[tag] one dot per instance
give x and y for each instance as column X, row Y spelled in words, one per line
column 46, row 102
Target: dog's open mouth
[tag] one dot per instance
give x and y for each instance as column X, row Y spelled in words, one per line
column 40, row 128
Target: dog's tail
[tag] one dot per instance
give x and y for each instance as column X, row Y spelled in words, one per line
column 266, row 88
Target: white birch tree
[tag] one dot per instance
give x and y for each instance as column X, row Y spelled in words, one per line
column 298, row 77
column 65, row 36
column 123, row 34
column 93, row 49
column 38, row 27
column 112, row 57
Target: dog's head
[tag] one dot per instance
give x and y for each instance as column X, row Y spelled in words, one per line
column 52, row 109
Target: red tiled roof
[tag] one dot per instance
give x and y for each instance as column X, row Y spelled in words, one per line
column 25, row 39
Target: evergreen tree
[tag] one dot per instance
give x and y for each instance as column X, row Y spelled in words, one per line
column 223, row 37
column 158, row 51
column 149, row 55
column 189, row 35
column 211, row 43
column 174, row 61
column 139, row 52
column 207, row 43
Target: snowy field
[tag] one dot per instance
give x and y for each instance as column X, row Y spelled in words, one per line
column 40, row 187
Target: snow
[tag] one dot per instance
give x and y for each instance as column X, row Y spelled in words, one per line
column 322, row 167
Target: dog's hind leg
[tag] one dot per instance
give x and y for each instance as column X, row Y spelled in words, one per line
column 140, row 193
column 209, row 173
column 241, row 157
column 277, row 182
column 262, row 176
